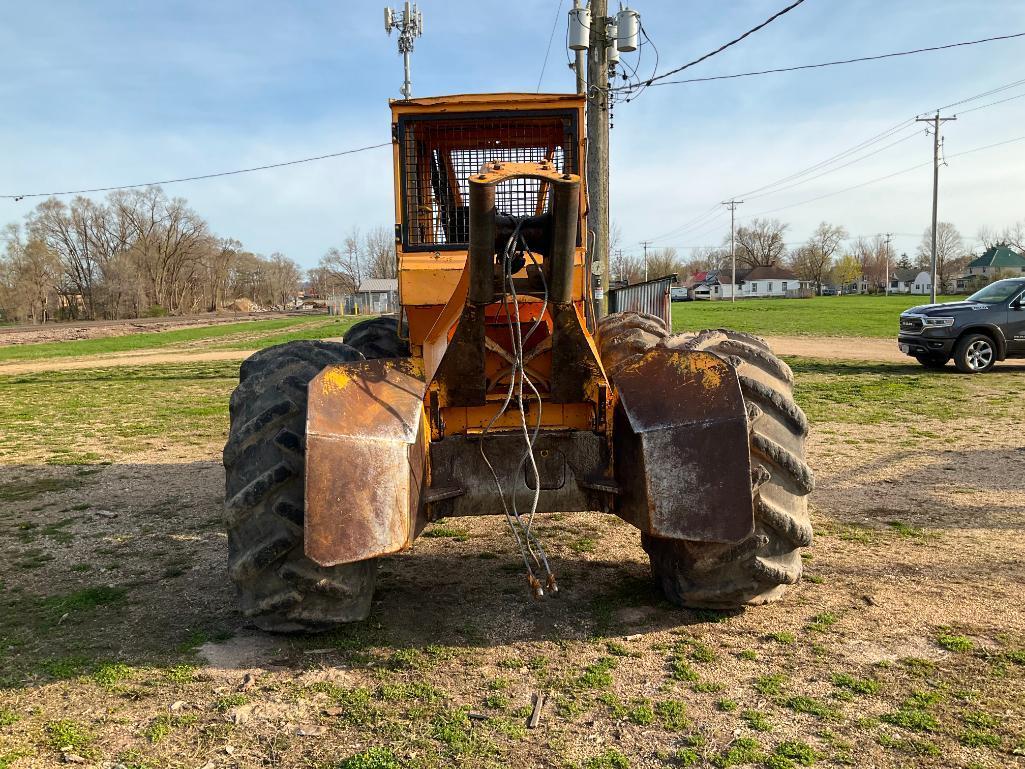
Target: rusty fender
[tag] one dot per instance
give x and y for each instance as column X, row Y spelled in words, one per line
column 681, row 447
column 366, row 448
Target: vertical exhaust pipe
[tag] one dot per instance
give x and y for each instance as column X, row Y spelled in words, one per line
column 565, row 212
column 481, row 254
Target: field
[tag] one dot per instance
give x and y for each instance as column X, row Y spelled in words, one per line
column 120, row 644
column 855, row 316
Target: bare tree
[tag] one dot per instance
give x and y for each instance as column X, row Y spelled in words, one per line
column 813, row 261
column 760, row 244
column 379, row 253
column 871, row 254
column 30, row 274
column 951, row 255
column 283, row 279
column 663, row 261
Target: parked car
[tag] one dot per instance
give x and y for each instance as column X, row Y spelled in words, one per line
column 827, row 291
column 679, row 295
column 986, row 327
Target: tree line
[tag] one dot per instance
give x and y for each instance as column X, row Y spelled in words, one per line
column 141, row 253
column 829, row 256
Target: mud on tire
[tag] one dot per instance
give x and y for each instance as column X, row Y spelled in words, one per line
column 279, row 588
column 756, row 571
column 377, row 338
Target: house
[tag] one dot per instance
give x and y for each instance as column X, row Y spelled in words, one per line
column 922, row 283
column 374, row 296
column 902, row 280
column 770, row 281
column 765, row 282
column 997, row 260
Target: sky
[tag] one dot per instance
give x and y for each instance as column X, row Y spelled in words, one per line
column 109, row 92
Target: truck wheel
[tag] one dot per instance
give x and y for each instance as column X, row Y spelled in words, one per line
column 756, row 571
column 377, row 338
column 975, row 354
column 279, row 588
column 934, row 361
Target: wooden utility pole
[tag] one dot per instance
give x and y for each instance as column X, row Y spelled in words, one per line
column 886, row 290
column 645, row 243
column 732, row 205
column 598, row 140
column 936, row 121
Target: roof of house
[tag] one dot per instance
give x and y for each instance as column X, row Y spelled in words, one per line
column 767, row 272
column 905, row 276
column 999, row 256
column 379, row 284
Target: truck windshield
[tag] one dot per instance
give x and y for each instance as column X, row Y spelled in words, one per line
column 997, row 292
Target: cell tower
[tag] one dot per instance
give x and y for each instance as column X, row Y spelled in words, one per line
column 410, row 24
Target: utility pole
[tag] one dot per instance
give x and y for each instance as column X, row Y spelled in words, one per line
column 598, row 138
column 732, row 205
column 936, row 121
column 889, row 236
column 645, row 243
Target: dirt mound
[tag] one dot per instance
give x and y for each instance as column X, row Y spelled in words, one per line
column 244, row 305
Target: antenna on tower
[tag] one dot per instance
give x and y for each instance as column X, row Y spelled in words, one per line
column 410, row 24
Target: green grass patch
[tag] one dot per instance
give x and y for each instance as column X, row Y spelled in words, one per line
column 67, row 735
column 787, row 639
column 913, row 719
column 790, row 754
column 742, row 750
column 770, row 685
column 8, row 717
column 597, row 675
column 854, row 684
column 756, row 720
column 810, row 706
column 110, row 675
column 608, row 759
column 20, row 491
column 85, row 600
column 872, row 316
column 954, row 643
column 100, row 415
column 441, row 531
column 672, row 714
column 372, row 758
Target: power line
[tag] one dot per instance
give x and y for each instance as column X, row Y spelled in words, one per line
column 195, row 178
column 991, row 104
column 700, row 221
column 888, row 176
column 836, row 62
column 548, row 50
column 723, row 47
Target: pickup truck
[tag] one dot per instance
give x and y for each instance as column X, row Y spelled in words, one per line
column 986, row 327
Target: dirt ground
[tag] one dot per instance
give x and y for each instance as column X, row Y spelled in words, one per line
column 904, row 646
column 826, row 348
column 97, row 329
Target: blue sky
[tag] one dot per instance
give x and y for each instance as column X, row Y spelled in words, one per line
column 102, row 92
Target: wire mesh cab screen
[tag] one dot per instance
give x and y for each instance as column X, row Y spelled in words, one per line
column 438, row 155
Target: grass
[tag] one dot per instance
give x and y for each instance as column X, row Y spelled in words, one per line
column 67, row 735
column 871, row 316
column 239, row 336
column 96, row 415
column 851, row 392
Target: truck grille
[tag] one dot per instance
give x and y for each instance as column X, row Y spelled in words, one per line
column 910, row 325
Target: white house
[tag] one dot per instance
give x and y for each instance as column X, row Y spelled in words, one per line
column 922, row 283
column 768, row 282
column 902, row 281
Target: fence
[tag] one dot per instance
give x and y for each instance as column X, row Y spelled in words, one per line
column 652, row 297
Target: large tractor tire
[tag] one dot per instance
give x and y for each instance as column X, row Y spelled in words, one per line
column 724, row 576
column 377, row 338
column 279, row 588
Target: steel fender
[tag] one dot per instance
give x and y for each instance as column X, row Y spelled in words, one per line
column 365, row 460
column 682, row 448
